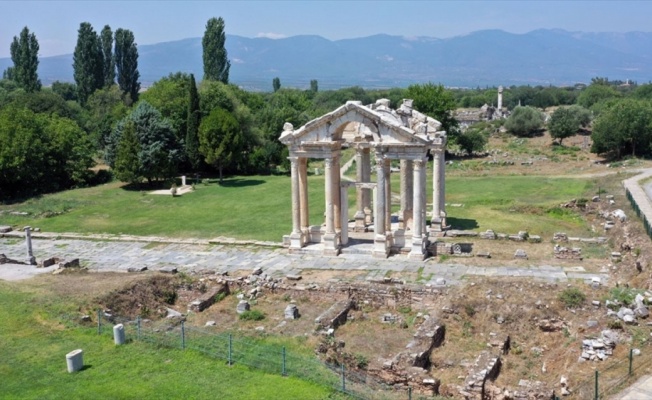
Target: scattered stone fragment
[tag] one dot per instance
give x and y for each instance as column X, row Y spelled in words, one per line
column 291, row 312
column 137, row 269
column 243, row 306
column 210, row 323
column 521, row 254
column 168, row 270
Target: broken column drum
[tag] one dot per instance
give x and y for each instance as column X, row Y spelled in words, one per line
column 392, row 136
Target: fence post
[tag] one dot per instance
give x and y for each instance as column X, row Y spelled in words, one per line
column 409, row 392
column 230, row 349
column 99, row 321
column 631, row 356
column 138, row 327
column 343, row 380
column 284, row 372
column 597, row 395
column 183, row 336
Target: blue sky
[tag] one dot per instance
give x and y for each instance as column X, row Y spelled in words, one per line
column 55, row 23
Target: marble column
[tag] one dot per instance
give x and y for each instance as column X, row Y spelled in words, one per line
column 442, row 190
column 330, row 238
column 380, row 240
column 337, row 205
column 418, row 237
column 359, row 193
column 303, row 199
column 405, row 215
column 437, row 192
column 28, row 242
column 388, row 196
column 295, row 236
column 366, row 193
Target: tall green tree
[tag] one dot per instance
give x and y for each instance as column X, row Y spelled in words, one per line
column 563, row 124
column 169, row 95
column 88, row 62
column 194, row 118
column 127, row 163
column 436, row 102
column 216, row 62
column 314, row 85
column 126, row 61
column 24, row 54
column 220, row 139
column 106, row 38
column 276, row 84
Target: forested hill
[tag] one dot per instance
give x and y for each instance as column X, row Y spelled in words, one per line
column 489, row 57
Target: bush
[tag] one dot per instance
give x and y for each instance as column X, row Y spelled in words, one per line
column 524, row 121
column 252, row 315
column 572, row 297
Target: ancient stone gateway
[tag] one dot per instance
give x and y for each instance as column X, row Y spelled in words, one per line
column 403, row 135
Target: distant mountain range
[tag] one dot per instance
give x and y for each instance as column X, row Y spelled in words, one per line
column 489, row 57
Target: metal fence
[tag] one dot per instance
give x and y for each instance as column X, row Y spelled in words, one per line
column 608, row 381
column 254, row 353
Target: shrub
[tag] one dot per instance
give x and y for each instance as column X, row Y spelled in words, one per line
column 572, row 297
column 524, row 121
column 252, row 315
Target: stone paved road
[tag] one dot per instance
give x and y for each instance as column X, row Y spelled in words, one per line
column 120, row 255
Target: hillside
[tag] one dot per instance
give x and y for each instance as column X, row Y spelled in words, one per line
column 488, row 57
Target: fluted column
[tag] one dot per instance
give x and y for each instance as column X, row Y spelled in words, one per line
column 359, row 193
column 337, row 208
column 328, row 177
column 381, row 249
column 417, row 250
column 366, row 177
column 303, row 195
column 295, row 236
column 405, row 215
column 437, row 190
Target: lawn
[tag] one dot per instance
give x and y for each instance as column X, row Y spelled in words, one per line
column 35, row 341
column 259, row 207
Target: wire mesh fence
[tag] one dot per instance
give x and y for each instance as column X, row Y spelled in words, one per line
column 236, row 349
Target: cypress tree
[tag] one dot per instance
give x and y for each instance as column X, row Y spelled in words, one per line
column 107, row 53
column 88, row 62
column 216, row 62
column 24, row 54
column 192, row 133
column 126, row 61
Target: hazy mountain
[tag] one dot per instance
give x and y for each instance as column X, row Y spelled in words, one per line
column 489, row 57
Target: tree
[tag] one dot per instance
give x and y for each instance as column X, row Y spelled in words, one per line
column 24, row 54
column 472, row 141
column 88, row 62
column 106, row 38
column 67, row 90
column 220, row 139
column 192, row 132
column 524, row 121
column 126, row 61
column 314, row 85
column 276, row 84
column 625, row 126
column 563, row 124
column 216, row 62
column 436, row 102
column 159, row 153
column 127, row 163
column 595, row 93
column 169, row 95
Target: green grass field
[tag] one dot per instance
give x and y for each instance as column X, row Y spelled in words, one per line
column 35, row 341
column 259, row 207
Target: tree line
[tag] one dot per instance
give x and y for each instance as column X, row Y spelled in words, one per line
column 212, row 126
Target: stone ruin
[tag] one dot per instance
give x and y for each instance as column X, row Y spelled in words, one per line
column 402, row 135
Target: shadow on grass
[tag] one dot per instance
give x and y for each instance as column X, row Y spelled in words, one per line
column 137, row 187
column 240, row 182
column 462, row 223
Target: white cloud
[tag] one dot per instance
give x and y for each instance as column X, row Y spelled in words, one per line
column 271, row 35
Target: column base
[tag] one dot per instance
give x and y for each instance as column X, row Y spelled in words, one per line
column 418, row 251
column 381, row 249
column 31, row 260
column 296, row 240
column 331, row 246
column 360, row 222
column 437, row 224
